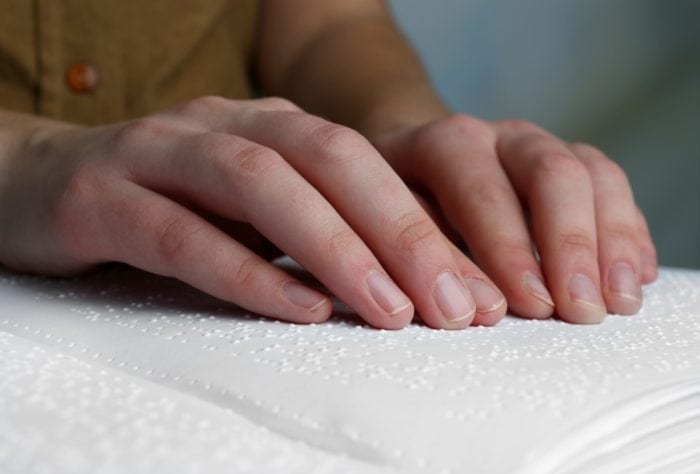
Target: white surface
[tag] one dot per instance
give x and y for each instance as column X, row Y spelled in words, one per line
column 121, row 371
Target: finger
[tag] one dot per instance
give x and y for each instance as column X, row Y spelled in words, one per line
column 619, row 254
column 429, row 206
column 491, row 303
column 351, row 174
column 558, row 192
column 456, row 158
column 241, row 232
column 650, row 266
column 153, row 233
column 244, row 181
column 247, row 236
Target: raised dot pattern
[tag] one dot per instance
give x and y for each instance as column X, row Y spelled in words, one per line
column 415, row 400
column 59, row 414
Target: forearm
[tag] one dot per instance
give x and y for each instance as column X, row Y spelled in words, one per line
column 17, row 132
column 362, row 73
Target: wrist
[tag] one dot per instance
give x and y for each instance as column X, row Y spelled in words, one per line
column 19, row 136
column 20, row 132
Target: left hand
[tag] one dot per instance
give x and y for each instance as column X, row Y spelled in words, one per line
column 508, row 188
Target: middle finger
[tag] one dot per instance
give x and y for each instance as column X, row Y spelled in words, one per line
column 557, row 189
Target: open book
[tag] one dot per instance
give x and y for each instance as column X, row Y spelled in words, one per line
column 121, row 371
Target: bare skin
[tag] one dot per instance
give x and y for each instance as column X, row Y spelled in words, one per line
column 160, row 192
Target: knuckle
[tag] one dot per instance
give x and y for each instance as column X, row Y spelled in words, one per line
column 70, row 219
column 173, row 235
column 81, row 185
column 251, row 163
column 559, row 166
column 461, row 123
column 207, row 103
column 244, row 163
column 491, row 195
column 278, row 103
column 511, row 247
column 598, row 161
column 416, row 230
column 612, row 170
column 341, row 242
column 246, row 273
column 202, row 106
column 337, row 144
column 449, row 126
column 577, row 241
column 622, row 232
column 137, row 131
column 588, row 151
column 518, row 126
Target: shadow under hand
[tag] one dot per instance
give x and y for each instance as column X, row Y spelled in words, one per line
column 123, row 287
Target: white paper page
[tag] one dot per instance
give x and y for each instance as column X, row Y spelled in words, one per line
column 59, row 414
column 411, row 401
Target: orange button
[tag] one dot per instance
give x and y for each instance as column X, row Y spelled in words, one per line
column 81, row 78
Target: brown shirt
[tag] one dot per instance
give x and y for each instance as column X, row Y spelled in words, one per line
column 103, row 61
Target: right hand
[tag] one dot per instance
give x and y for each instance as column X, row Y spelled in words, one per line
column 143, row 192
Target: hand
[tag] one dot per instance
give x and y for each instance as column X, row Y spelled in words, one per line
column 509, row 187
column 149, row 192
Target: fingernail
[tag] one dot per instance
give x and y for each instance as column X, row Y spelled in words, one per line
column 535, row 286
column 386, row 293
column 582, row 290
column 485, row 296
column 303, row 296
column 453, row 298
column 623, row 281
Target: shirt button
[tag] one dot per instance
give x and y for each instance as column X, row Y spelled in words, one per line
column 81, row 78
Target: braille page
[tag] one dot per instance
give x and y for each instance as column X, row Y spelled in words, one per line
column 130, row 353
column 61, row 414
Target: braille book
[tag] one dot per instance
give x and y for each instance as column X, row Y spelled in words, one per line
column 121, row 371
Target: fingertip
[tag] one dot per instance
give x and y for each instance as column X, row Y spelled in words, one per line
column 540, row 304
column 454, row 301
column 624, row 304
column 623, row 289
column 649, row 274
column 583, row 303
column 305, row 304
column 393, row 309
column 441, row 321
column 450, row 325
column 584, row 317
column 534, row 309
column 486, row 296
column 527, row 297
column 490, row 318
column 398, row 320
column 320, row 314
column 650, row 268
column 581, row 312
column 490, row 303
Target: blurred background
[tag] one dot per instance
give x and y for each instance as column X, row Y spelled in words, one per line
column 622, row 75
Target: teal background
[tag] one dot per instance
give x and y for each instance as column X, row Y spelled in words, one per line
column 623, row 75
